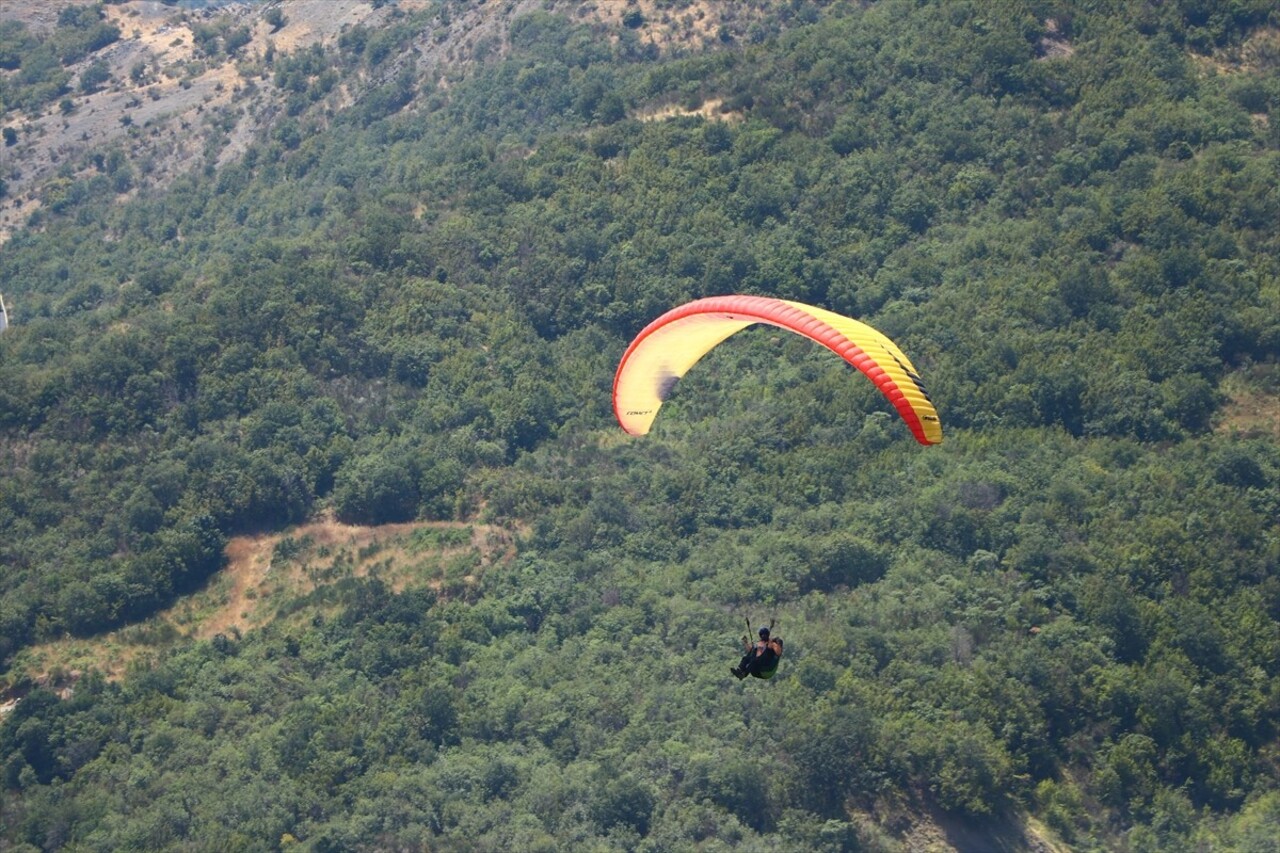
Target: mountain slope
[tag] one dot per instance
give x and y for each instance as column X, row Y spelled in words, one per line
column 1060, row 627
column 183, row 88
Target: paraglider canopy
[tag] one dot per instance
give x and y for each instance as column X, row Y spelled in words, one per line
column 669, row 346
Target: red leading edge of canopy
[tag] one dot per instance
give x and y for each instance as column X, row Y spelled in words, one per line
column 765, row 309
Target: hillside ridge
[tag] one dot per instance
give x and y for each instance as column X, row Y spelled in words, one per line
column 172, row 106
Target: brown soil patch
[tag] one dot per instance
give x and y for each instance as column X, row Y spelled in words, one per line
column 268, row 574
column 1253, row 402
column 932, row 831
column 1054, row 44
column 1251, row 414
column 306, row 557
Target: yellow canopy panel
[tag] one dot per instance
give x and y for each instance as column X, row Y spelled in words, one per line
column 665, row 350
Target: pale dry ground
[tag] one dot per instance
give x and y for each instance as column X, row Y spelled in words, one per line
column 712, row 109
column 939, row 833
column 259, row 580
column 1054, row 45
column 1258, row 54
column 698, row 25
column 1248, row 411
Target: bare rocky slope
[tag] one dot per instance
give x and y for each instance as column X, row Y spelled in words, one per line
column 186, row 106
column 170, row 106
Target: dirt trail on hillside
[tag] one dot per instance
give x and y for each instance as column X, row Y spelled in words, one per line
column 266, row 571
column 251, row 565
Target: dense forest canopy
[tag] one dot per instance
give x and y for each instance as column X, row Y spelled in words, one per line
column 1060, row 625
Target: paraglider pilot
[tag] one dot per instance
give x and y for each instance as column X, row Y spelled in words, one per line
column 761, row 659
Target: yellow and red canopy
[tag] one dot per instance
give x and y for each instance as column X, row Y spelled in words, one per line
column 669, row 346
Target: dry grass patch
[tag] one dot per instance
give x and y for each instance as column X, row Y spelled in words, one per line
column 269, row 576
column 712, row 109
column 1252, row 408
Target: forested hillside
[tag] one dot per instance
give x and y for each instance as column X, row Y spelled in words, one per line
column 1057, row 630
